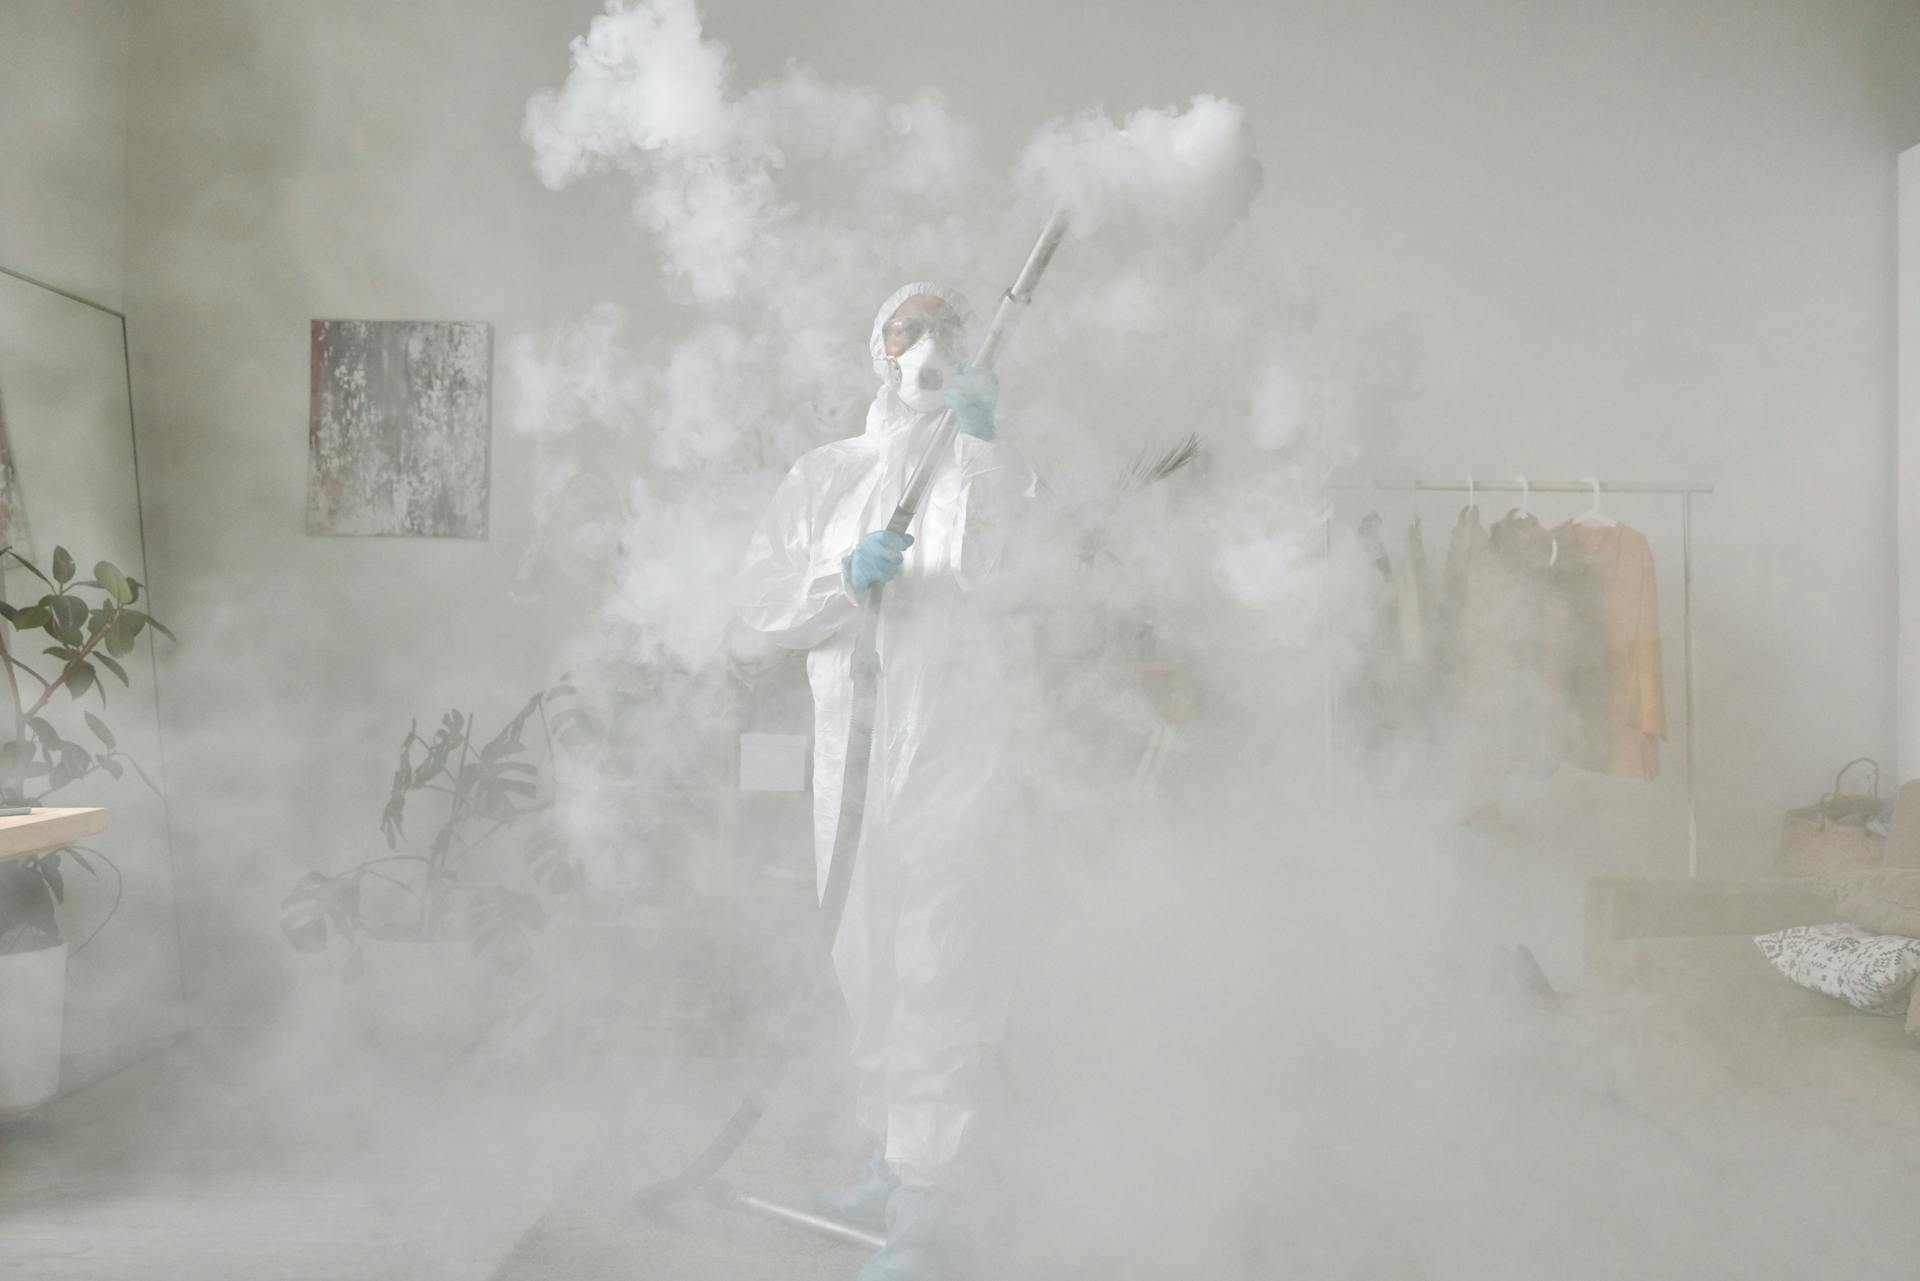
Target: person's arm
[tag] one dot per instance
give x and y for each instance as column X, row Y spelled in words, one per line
column 789, row 588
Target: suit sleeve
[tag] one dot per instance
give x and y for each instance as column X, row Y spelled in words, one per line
column 998, row 496
column 789, row 588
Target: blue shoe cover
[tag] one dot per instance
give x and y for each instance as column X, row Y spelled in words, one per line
column 863, row 1202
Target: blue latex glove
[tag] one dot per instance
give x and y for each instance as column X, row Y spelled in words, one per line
column 971, row 395
column 877, row 557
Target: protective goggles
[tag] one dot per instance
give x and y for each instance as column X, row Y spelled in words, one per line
column 902, row 332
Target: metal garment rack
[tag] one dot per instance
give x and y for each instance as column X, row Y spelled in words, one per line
column 1520, row 485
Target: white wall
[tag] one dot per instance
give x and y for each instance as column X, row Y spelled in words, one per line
column 63, row 132
column 1645, row 240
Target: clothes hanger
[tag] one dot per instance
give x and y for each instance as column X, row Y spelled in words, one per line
column 1592, row 516
column 1526, row 495
column 1526, row 498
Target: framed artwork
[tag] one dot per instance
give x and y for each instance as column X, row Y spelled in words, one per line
column 400, row 428
column 13, row 513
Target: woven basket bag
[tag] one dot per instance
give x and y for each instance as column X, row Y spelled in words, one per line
column 1814, row 841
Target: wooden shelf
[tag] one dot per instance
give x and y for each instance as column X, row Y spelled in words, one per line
column 24, row 835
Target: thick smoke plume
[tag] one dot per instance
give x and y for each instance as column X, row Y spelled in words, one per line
column 784, row 210
column 1195, row 170
column 1175, row 625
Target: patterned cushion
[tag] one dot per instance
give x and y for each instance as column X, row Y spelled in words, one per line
column 1871, row 972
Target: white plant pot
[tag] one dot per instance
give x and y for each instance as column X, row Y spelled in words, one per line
column 33, row 1003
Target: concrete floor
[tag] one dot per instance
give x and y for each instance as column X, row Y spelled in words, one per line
column 223, row 1158
column 186, row 1165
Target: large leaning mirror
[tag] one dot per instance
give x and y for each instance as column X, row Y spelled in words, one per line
column 68, row 479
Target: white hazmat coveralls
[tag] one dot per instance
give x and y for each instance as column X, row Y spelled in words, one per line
column 925, row 986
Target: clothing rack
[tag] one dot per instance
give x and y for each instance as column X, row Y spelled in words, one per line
column 1520, row 485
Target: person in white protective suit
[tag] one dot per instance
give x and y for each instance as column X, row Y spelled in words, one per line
column 925, row 984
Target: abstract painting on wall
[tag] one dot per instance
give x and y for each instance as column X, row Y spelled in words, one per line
column 400, row 428
column 13, row 513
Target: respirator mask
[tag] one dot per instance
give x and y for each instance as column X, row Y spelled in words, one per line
column 920, row 373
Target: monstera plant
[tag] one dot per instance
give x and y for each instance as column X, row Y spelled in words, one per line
column 86, row 628
column 451, row 886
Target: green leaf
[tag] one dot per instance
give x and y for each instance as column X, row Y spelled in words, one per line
column 547, row 860
column 146, row 620
column 112, row 766
column 120, row 636
column 69, row 619
column 100, row 730
column 114, row 581
column 77, row 857
column 63, row 569
column 112, row 664
column 50, row 740
column 576, row 728
column 80, row 679
column 135, row 584
column 50, row 873
column 305, row 925
column 312, row 885
column 74, row 764
column 11, row 758
column 31, row 617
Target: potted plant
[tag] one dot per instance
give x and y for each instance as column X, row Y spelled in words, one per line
column 92, row 625
column 431, row 927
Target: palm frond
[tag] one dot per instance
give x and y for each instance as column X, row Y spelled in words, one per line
column 1150, row 467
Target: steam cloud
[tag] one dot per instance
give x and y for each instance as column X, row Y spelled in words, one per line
column 783, row 212
column 1195, row 169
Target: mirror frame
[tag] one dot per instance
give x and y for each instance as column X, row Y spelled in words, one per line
column 153, row 656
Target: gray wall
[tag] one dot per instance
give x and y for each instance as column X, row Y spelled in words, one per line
column 1647, row 240
column 289, row 163
column 63, row 135
column 63, row 219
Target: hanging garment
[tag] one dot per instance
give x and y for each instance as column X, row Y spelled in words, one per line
column 1381, row 697
column 1375, row 548
column 1511, row 668
column 1462, row 599
column 1412, row 598
column 1607, row 639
